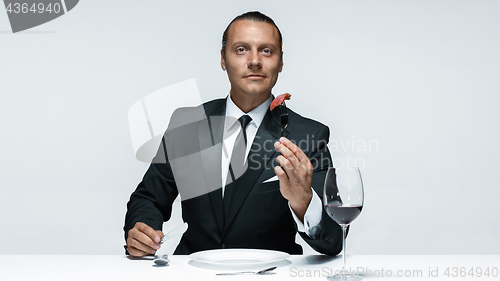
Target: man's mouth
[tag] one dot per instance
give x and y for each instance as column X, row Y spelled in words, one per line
column 255, row 76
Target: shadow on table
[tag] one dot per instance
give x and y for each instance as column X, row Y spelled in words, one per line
column 321, row 259
column 233, row 267
column 160, row 265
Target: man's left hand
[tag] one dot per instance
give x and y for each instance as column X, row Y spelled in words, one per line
column 295, row 176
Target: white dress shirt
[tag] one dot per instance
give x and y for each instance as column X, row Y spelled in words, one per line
column 232, row 127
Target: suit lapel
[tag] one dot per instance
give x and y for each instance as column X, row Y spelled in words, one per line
column 262, row 151
column 210, row 133
column 210, row 137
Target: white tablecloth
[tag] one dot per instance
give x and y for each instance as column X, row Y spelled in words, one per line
column 312, row 267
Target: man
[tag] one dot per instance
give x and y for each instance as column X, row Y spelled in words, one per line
column 224, row 208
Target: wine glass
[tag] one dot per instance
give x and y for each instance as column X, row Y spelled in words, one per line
column 343, row 200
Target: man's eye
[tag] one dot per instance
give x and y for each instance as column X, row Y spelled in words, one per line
column 267, row 51
column 240, row 50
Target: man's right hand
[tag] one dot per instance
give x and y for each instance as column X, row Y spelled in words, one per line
column 143, row 240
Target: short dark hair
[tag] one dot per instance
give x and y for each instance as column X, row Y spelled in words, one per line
column 251, row 16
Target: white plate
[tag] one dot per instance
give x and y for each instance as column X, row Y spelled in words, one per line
column 238, row 257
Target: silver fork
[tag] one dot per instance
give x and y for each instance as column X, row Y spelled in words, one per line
column 283, row 117
column 264, row 271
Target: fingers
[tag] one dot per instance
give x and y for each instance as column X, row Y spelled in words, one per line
column 293, row 161
column 138, row 249
column 295, row 176
column 287, row 159
column 159, row 233
column 281, row 174
column 292, row 151
column 150, row 232
column 143, row 240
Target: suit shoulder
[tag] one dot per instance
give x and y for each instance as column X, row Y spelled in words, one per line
column 207, row 106
column 302, row 121
column 214, row 106
column 187, row 115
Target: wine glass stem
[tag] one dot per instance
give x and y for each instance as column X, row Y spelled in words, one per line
column 344, row 229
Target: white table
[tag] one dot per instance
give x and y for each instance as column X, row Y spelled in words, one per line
column 312, row 267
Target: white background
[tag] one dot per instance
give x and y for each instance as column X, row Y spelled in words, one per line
column 418, row 80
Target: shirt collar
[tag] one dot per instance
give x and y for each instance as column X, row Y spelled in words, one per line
column 235, row 112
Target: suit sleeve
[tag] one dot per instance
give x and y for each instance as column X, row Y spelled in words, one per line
column 151, row 202
column 326, row 237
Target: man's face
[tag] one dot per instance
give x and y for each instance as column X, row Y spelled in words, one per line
column 252, row 58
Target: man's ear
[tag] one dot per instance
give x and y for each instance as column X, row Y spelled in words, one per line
column 281, row 66
column 222, row 60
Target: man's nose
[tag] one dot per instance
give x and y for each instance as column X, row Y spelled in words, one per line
column 254, row 59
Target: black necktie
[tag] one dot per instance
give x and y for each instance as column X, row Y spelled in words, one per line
column 237, row 165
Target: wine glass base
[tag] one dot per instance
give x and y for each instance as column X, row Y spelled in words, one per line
column 344, row 276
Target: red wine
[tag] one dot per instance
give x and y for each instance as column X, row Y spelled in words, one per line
column 343, row 214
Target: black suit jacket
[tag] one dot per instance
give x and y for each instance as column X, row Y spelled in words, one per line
column 258, row 216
